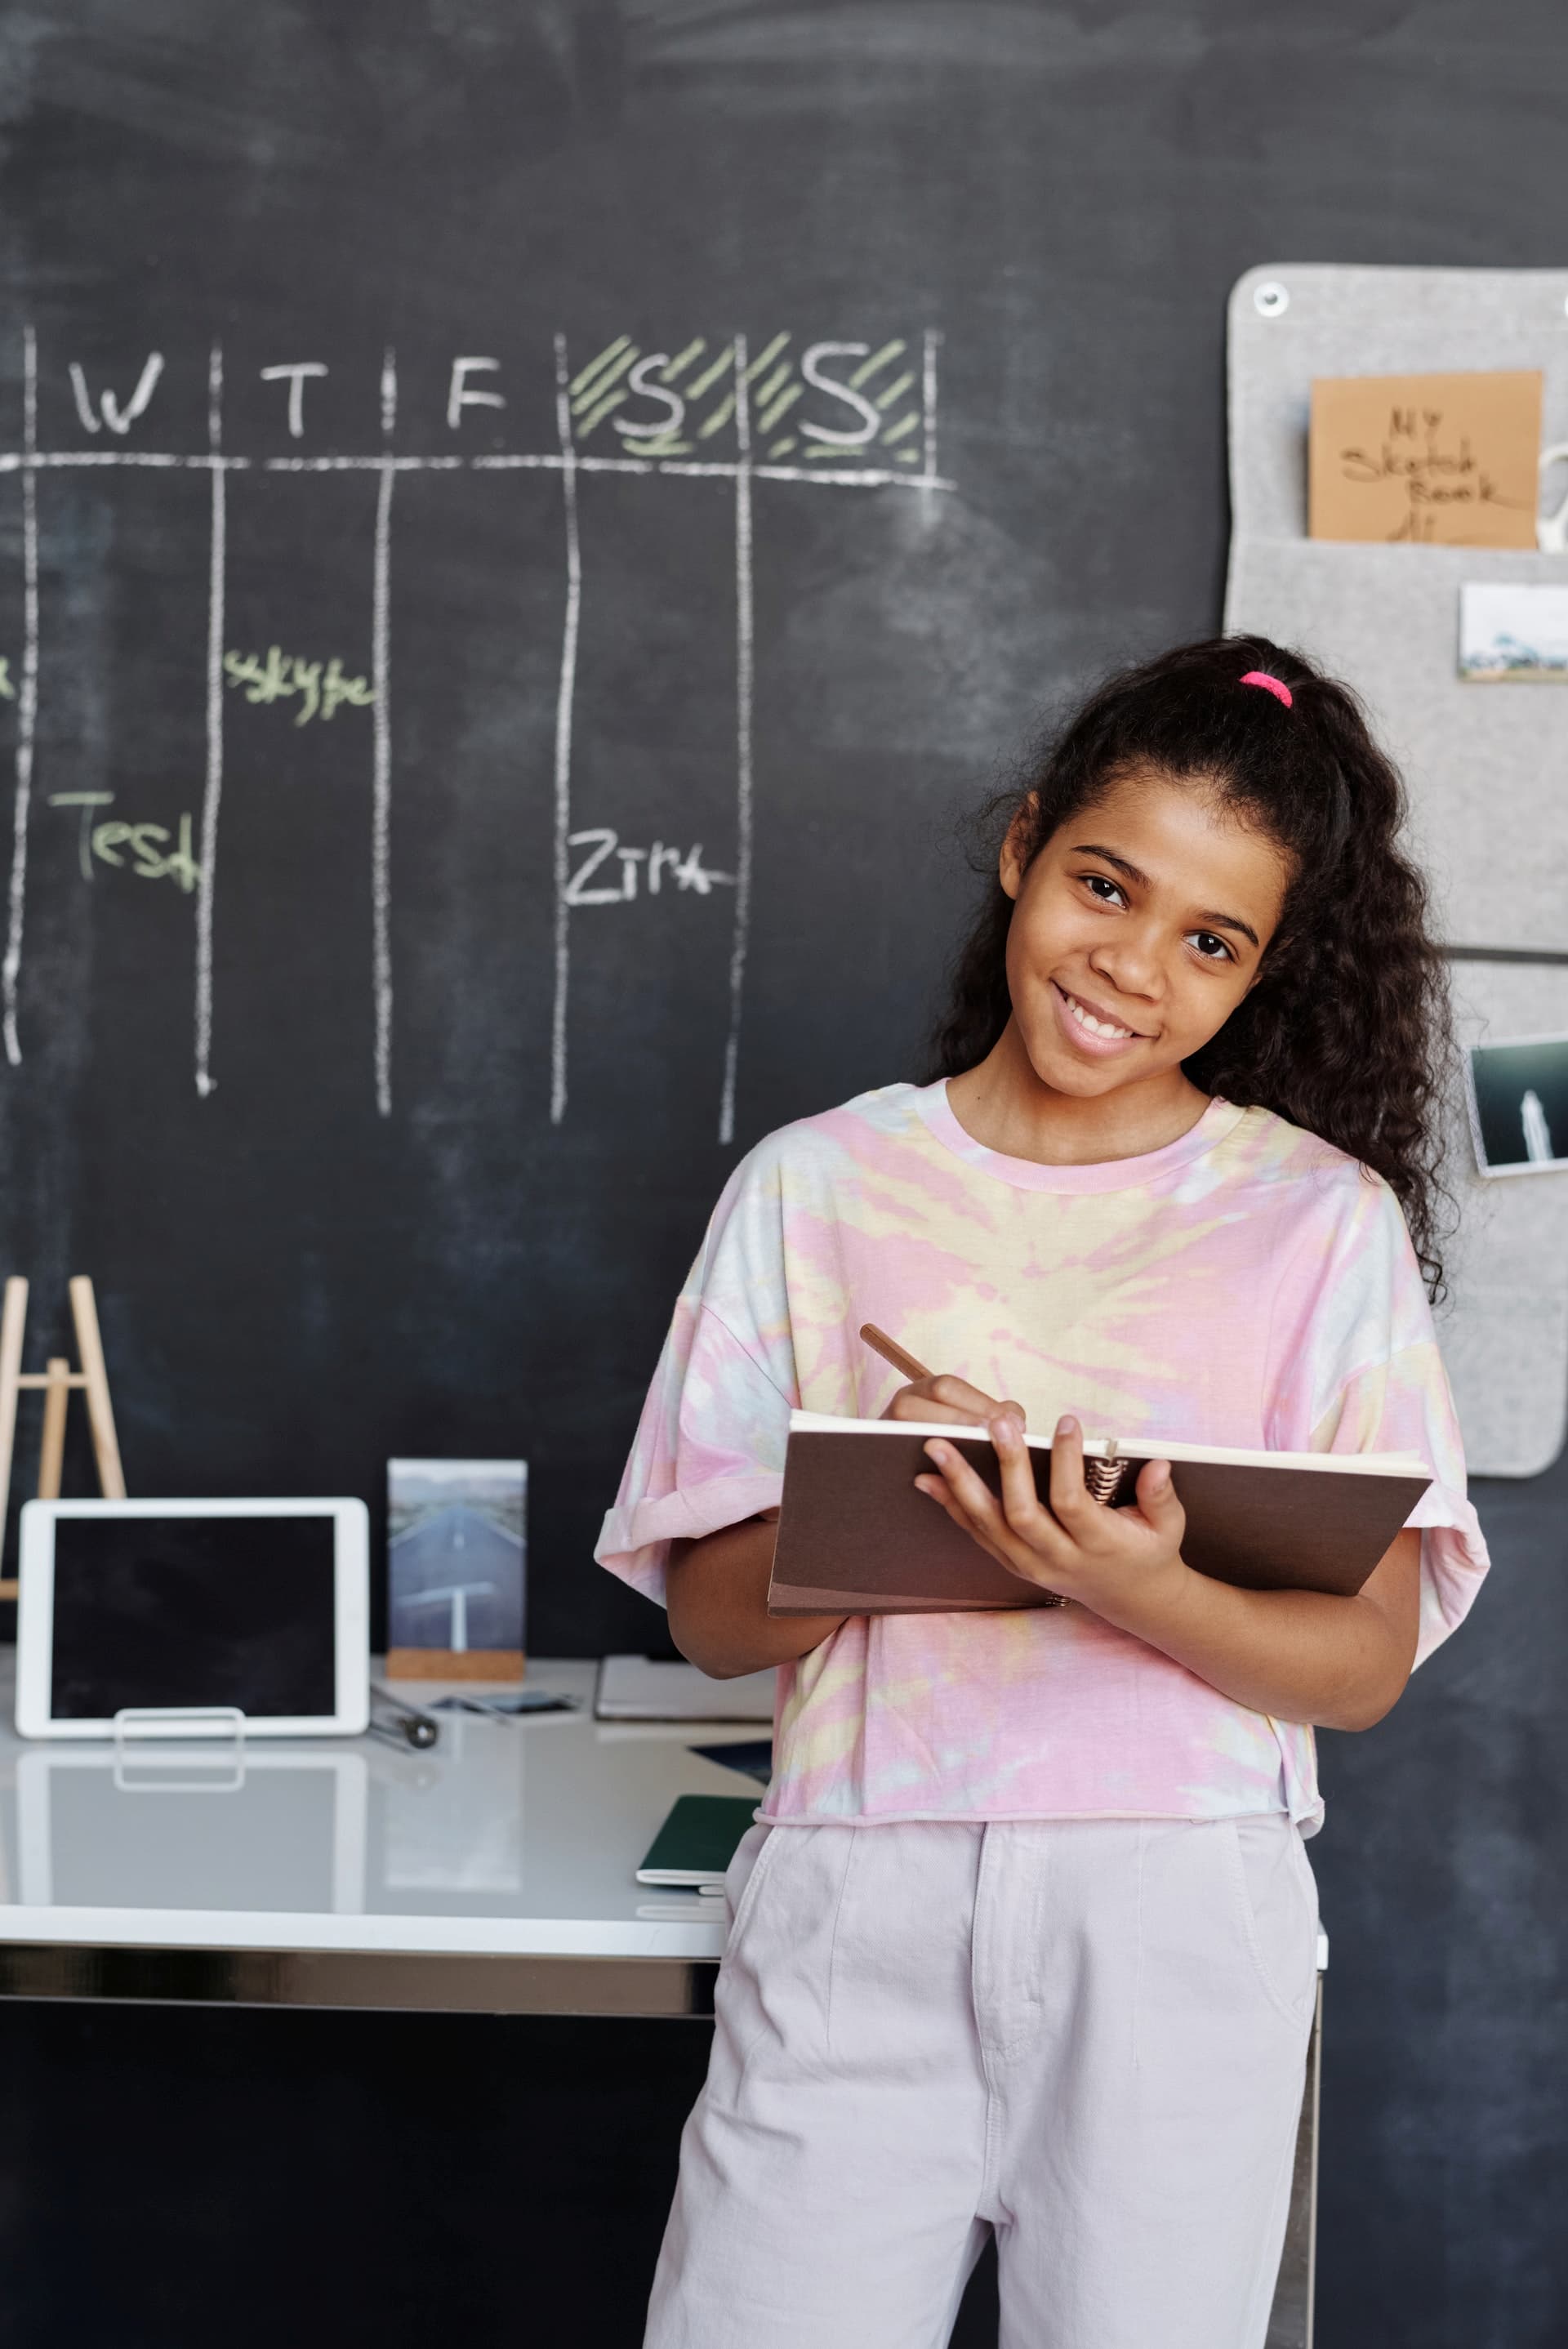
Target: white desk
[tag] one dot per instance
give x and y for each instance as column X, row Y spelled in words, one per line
column 495, row 1873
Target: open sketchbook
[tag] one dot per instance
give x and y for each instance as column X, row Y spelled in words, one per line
column 856, row 1538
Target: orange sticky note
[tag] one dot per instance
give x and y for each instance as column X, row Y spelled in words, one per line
column 1425, row 459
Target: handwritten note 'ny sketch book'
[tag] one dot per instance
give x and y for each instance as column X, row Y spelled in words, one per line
column 856, row 1538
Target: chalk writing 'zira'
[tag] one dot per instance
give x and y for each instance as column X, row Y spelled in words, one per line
column 322, row 687
column 687, row 871
column 110, row 841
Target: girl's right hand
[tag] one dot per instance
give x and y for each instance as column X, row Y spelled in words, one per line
column 948, row 1398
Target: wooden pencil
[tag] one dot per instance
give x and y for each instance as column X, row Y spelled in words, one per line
column 891, row 1351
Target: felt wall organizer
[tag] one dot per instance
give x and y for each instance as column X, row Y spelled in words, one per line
column 1486, row 764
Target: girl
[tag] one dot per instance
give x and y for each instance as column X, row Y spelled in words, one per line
column 1025, row 1939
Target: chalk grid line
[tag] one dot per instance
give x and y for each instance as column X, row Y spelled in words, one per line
column 830, row 477
column 213, row 790
column 569, row 461
column 27, row 704
column 565, row 698
column 381, row 750
column 744, row 682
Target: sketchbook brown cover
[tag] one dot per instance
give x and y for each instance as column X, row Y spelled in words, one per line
column 856, row 1538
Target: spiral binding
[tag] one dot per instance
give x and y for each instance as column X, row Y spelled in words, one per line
column 1101, row 1477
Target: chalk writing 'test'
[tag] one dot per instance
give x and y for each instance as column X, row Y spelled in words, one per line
column 110, row 841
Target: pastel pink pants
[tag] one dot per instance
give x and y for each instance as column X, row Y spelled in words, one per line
column 1089, row 2034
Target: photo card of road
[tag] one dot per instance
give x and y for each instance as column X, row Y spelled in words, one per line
column 1517, row 1105
column 1513, row 633
column 456, row 1552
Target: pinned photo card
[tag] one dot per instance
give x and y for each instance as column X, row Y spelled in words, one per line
column 1425, row 459
column 1518, row 1105
column 1513, row 634
column 456, row 1553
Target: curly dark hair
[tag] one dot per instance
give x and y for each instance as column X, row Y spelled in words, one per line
column 1347, row 1031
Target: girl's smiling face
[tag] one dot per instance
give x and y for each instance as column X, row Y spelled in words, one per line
column 1137, row 930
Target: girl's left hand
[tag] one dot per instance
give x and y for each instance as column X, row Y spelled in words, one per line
column 1116, row 1561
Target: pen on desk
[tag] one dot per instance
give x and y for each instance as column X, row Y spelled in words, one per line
column 891, row 1351
column 408, row 1721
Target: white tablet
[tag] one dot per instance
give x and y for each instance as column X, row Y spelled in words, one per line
column 259, row 1606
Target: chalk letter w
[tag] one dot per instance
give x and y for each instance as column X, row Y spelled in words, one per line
column 117, row 418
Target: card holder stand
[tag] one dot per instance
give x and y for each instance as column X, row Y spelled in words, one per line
column 203, row 1772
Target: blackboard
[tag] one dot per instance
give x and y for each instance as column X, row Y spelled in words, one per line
column 491, row 645
column 369, row 1235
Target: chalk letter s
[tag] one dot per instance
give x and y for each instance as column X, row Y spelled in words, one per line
column 638, row 381
column 811, row 369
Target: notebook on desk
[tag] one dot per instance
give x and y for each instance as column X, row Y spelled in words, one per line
column 855, row 1537
column 698, row 1841
column 650, row 1688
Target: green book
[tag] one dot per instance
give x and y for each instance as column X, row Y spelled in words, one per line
column 698, row 1841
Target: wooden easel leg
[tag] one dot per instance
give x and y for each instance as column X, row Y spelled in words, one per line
column 57, row 1395
column 95, row 1374
column 13, row 1325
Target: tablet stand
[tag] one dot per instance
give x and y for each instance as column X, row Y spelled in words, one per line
column 57, row 1381
column 134, row 1724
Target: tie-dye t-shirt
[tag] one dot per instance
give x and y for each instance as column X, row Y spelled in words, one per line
column 1246, row 1285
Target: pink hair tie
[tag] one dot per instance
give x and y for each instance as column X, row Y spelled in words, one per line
column 1270, row 685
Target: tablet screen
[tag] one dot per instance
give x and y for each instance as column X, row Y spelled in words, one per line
column 194, row 1611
